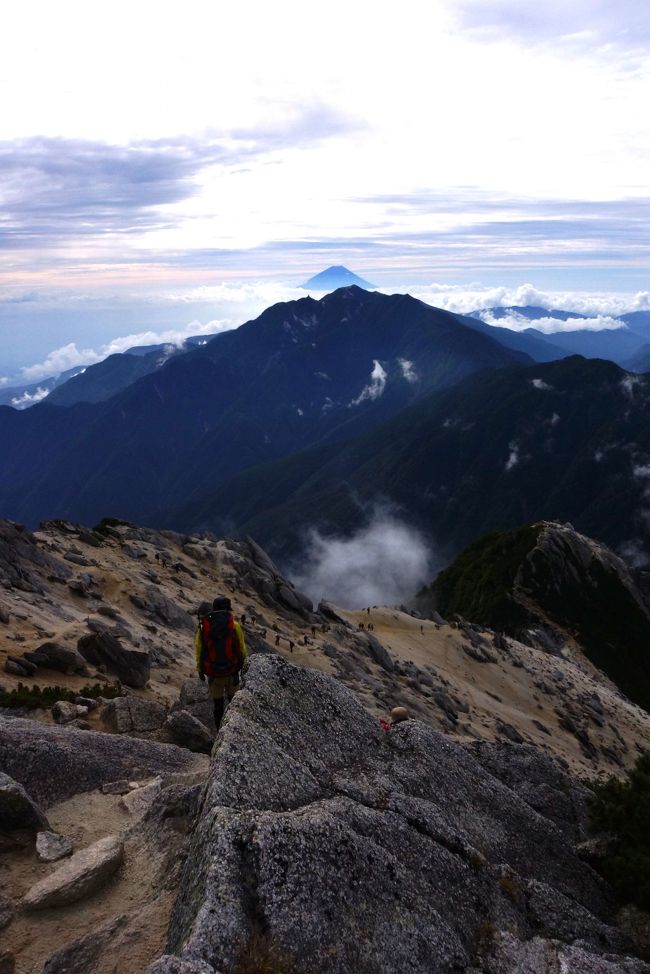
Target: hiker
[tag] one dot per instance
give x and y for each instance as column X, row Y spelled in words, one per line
column 277, row 639
column 220, row 652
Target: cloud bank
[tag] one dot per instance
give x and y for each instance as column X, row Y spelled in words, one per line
column 70, row 356
column 466, row 298
column 384, row 563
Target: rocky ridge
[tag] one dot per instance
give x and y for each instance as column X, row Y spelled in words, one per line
column 532, row 719
column 380, row 851
column 133, row 592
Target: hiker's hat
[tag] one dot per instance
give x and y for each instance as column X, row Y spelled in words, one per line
column 222, row 602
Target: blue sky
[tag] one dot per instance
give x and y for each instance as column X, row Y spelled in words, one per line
column 169, row 168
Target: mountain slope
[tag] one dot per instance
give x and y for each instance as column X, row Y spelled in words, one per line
column 99, row 382
column 567, row 440
column 615, row 344
column 528, row 341
column 548, row 575
column 303, row 373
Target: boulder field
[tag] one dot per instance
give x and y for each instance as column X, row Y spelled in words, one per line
column 325, row 844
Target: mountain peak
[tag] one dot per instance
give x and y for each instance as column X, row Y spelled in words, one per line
column 335, row 277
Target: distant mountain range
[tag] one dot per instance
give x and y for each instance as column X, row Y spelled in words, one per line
column 98, row 382
column 621, row 345
column 316, row 410
column 304, row 373
column 628, row 346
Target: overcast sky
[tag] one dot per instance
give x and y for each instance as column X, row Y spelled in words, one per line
column 153, row 154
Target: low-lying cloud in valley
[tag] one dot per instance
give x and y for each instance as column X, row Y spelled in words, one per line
column 384, row 563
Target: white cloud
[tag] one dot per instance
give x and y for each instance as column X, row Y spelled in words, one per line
column 550, row 325
column 69, row 356
column 384, row 563
column 27, row 399
column 629, row 384
column 634, row 553
column 464, row 299
column 513, row 458
column 408, row 371
column 642, row 471
column 375, row 387
column 540, row 384
column 60, row 360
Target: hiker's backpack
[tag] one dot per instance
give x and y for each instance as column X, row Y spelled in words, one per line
column 221, row 653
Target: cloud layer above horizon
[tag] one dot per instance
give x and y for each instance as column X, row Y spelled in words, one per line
column 461, row 140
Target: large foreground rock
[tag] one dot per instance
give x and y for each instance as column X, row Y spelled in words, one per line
column 81, row 875
column 17, row 809
column 324, row 838
column 54, row 763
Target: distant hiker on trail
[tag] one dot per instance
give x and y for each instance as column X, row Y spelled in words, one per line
column 277, row 639
column 220, row 652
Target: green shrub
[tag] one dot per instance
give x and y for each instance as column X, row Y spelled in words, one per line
column 622, row 810
column 43, row 697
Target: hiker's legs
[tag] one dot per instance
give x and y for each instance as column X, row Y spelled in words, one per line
column 219, row 707
column 218, row 686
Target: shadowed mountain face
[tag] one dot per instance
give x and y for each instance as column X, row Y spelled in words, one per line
column 304, row 373
column 568, row 440
column 616, row 344
column 103, row 380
